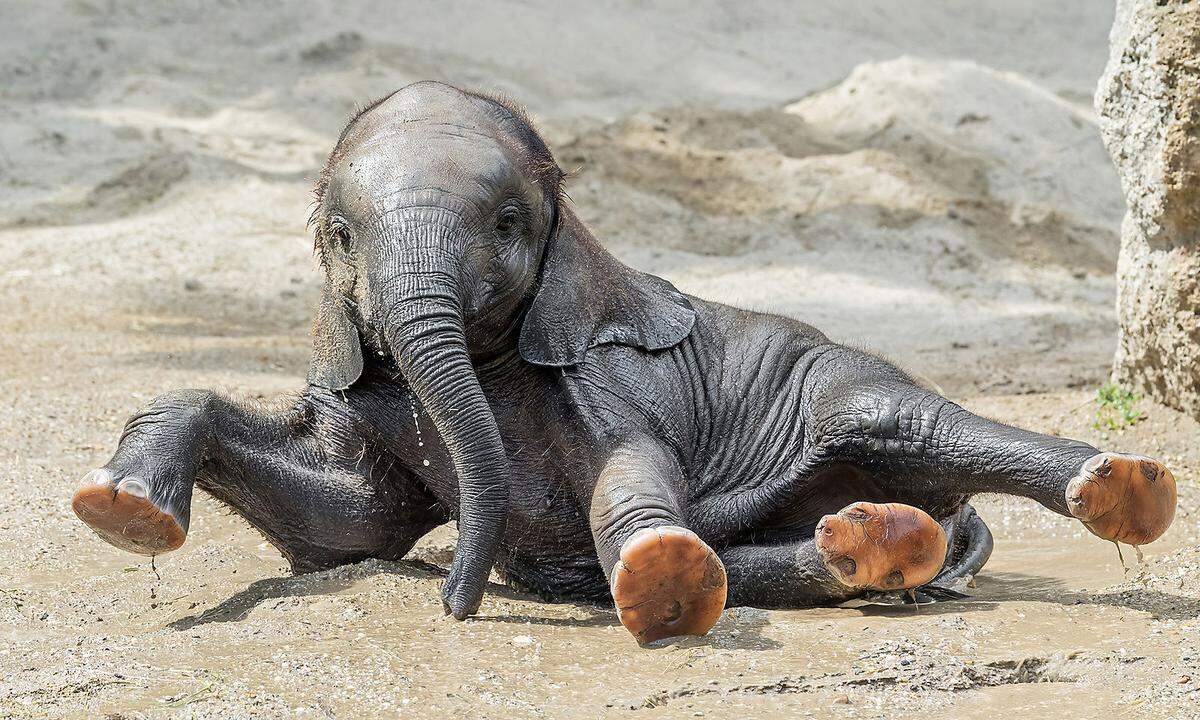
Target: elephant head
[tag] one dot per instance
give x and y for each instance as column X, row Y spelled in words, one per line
column 445, row 239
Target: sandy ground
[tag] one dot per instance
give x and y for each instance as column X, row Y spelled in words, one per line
column 926, row 181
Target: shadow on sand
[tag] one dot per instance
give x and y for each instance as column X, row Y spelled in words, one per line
column 742, row 628
column 238, row 606
column 1003, row 586
column 1000, row 587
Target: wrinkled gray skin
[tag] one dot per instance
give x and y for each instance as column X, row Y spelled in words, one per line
column 480, row 356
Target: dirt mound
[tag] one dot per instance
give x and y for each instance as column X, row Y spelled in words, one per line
column 1019, row 143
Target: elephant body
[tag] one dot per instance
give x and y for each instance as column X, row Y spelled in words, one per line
column 560, row 426
column 480, row 356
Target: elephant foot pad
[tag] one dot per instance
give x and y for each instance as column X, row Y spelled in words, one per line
column 888, row 546
column 122, row 514
column 1123, row 498
column 668, row 582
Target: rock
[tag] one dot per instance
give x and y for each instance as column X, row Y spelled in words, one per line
column 1149, row 106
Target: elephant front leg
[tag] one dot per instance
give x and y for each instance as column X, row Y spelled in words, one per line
column 319, row 501
column 140, row 501
column 665, row 580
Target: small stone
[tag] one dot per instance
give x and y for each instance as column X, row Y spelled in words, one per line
column 192, row 285
column 841, row 700
column 519, row 640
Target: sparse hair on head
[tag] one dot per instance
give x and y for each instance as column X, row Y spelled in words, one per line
column 322, row 183
column 507, row 112
column 542, row 163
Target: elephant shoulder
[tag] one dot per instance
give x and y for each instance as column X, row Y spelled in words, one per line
column 737, row 333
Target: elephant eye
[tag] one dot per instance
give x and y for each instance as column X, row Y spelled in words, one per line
column 507, row 220
column 341, row 236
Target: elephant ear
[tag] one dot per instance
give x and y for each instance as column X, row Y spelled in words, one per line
column 337, row 359
column 586, row 297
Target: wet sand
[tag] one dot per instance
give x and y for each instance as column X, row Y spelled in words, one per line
column 219, row 629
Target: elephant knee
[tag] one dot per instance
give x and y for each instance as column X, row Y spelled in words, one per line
column 898, row 421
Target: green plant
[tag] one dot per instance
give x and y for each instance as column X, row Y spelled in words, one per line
column 1116, row 408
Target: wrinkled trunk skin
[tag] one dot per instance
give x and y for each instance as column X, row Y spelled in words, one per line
column 1149, row 106
column 425, row 333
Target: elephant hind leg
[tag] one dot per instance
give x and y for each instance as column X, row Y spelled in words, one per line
column 882, row 546
column 1123, row 498
column 792, row 575
column 664, row 579
column 865, row 548
column 919, row 445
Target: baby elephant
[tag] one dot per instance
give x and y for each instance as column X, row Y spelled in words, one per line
column 479, row 356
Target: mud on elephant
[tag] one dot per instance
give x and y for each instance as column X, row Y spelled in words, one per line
column 479, row 356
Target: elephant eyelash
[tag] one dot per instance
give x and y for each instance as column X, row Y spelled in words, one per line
column 340, row 234
column 507, row 219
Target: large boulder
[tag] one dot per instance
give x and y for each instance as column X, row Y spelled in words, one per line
column 1149, row 107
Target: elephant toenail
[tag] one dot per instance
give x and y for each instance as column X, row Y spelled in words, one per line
column 96, row 477
column 133, row 486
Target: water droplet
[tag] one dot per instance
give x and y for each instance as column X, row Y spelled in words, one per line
column 425, row 462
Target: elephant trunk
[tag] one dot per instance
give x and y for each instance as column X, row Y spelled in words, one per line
column 426, row 336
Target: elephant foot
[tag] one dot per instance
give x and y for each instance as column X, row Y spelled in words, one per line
column 1123, row 498
column 887, row 546
column 668, row 582
column 122, row 514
